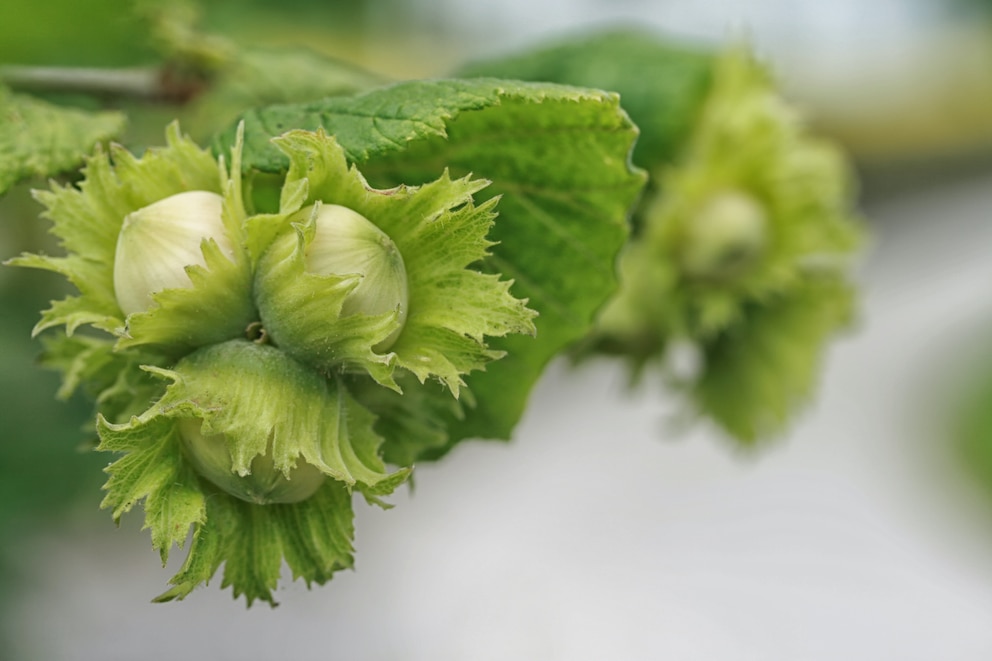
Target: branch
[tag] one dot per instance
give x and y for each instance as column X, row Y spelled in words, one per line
column 147, row 83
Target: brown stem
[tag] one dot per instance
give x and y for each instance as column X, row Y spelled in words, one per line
column 146, row 83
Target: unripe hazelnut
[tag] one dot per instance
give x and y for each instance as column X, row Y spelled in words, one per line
column 264, row 485
column 156, row 244
column 346, row 242
column 364, row 273
column 725, row 236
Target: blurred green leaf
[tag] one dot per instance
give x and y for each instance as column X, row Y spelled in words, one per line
column 972, row 425
column 60, row 32
column 41, row 139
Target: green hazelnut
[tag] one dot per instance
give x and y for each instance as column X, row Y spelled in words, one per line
column 330, row 266
column 263, row 485
column 157, row 242
column 346, row 242
column 725, row 236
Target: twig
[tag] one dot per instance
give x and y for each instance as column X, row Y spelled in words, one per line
column 147, row 83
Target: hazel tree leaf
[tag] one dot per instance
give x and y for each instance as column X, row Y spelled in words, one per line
column 661, row 82
column 39, row 139
column 261, row 77
column 559, row 159
column 745, row 209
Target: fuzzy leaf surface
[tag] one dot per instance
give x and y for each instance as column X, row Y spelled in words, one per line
column 661, row 82
column 261, row 77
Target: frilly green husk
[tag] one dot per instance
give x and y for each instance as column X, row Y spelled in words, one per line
column 755, row 214
column 439, row 232
column 239, row 432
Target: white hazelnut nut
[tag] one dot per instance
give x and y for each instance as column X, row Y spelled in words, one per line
column 156, row 244
column 345, row 242
column 265, row 484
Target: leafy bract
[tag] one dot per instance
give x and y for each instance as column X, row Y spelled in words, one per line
column 559, row 158
column 436, row 229
column 314, row 537
column 414, row 422
column 755, row 210
column 153, row 470
column 87, row 220
column 759, row 371
column 268, row 404
column 41, row 139
column 746, row 252
column 263, row 403
column 114, row 380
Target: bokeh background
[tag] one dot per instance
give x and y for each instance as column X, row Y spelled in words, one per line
column 603, row 531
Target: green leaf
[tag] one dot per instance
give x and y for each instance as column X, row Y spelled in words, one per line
column 263, row 77
column 970, row 421
column 745, row 210
column 38, row 139
column 559, row 158
column 758, row 371
column 661, row 81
